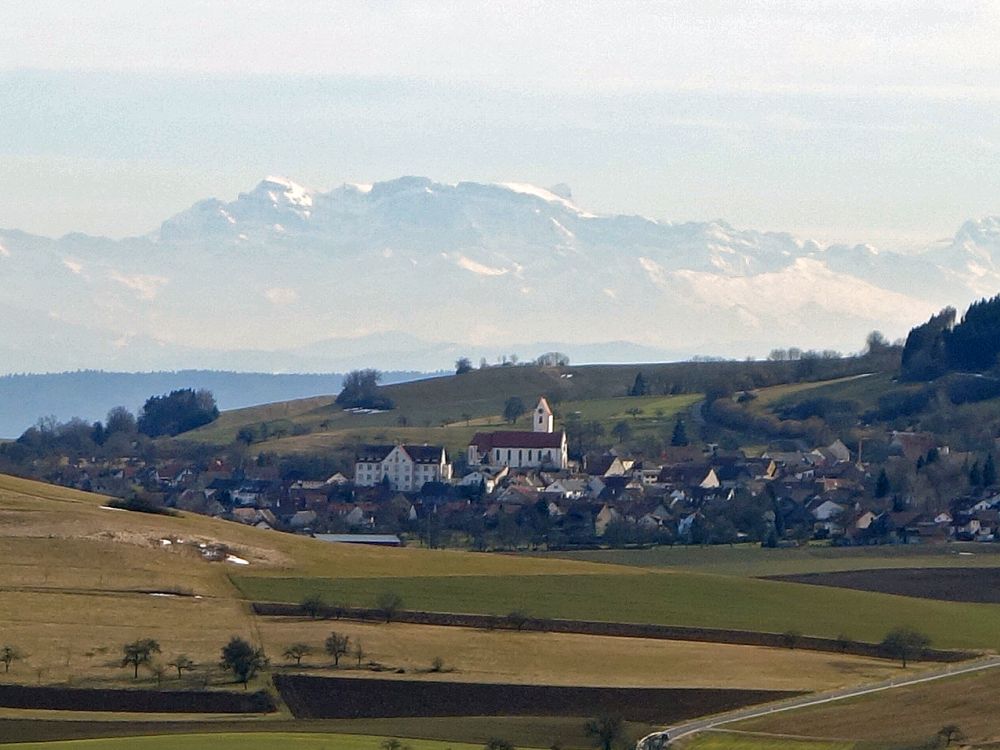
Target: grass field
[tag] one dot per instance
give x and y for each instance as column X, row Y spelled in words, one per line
column 568, row 659
column 751, row 560
column 676, row 598
column 736, row 741
column 909, row 714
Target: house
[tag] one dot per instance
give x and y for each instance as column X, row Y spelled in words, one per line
column 541, row 447
column 376, row 540
column 406, row 467
column 605, row 517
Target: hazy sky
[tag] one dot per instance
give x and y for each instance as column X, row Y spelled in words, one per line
column 849, row 121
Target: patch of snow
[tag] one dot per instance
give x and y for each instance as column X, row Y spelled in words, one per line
column 562, row 229
column 236, row 560
column 478, row 268
column 546, row 195
column 73, row 265
column 4, row 252
column 292, row 192
column 108, row 507
column 165, row 542
column 361, row 187
column 162, row 593
column 146, row 286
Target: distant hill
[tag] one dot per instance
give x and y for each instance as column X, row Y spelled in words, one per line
column 89, row 394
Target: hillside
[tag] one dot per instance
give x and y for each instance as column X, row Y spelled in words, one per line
column 449, row 409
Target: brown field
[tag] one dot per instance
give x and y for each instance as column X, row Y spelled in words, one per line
column 908, row 714
column 472, row 655
column 980, row 585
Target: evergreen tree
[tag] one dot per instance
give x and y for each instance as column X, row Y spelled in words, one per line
column 989, row 472
column 680, row 433
column 882, row 484
column 975, row 475
column 639, row 386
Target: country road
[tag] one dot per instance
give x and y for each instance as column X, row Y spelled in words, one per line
column 660, row 739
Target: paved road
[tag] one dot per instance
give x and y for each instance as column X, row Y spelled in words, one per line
column 661, row 739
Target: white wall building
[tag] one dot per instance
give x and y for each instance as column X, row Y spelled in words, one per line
column 407, row 467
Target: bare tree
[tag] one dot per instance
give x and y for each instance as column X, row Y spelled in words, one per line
column 336, row 646
column 296, row 651
column 8, row 655
column 181, row 663
column 388, row 604
column 138, row 653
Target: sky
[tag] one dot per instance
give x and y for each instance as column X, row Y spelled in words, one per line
column 851, row 121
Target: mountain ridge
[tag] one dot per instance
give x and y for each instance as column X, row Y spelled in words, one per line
column 483, row 266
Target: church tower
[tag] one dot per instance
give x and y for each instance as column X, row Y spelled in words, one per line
column 543, row 421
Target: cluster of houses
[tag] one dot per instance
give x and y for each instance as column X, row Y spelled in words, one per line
column 522, row 486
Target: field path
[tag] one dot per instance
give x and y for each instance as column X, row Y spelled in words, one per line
column 663, row 738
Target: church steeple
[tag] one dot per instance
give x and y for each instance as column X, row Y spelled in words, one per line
column 542, row 420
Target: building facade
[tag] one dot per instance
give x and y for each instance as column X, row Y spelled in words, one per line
column 407, row 467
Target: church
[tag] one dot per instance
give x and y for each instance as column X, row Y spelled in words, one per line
column 540, row 448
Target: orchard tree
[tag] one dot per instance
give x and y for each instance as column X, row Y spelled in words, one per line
column 337, row 645
column 138, row 653
column 296, row 651
column 181, row 663
column 242, row 659
column 905, row 644
column 605, row 732
column 388, row 603
column 8, row 655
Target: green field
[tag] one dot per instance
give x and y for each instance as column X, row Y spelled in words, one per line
column 674, row 598
column 750, row 560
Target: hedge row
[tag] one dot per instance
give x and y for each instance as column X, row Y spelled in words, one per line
column 619, row 629
column 136, row 701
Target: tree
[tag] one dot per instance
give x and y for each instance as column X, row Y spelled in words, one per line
column 177, row 412
column 337, row 645
column 622, row 431
column 605, row 732
column 158, row 671
column 679, row 436
column 361, row 390
column 517, row 619
column 138, row 653
column 513, row 408
column 639, row 386
column 882, row 484
column 313, row 605
column 180, row 663
column 791, row 638
column 989, row 472
column 905, row 644
column 242, row 659
column 119, row 419
column 463, row 365
column 497, row 743
column 359, row 652
column 388, row 604
column 951, row 733
column 8, row 655
column 296, row 651
column 875, row 342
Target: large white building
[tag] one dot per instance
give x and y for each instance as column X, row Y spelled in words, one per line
column 407, row 467
column 542, row 447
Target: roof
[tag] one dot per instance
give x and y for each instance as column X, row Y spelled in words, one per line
column 390, row 540
column 486, row 441
column 420, row 454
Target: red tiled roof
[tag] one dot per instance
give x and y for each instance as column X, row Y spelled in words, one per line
column 486, row 441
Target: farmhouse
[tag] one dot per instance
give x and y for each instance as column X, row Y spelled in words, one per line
column 522, row 449
column 406, row 467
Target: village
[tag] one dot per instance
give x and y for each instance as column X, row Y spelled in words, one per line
column 520, row 489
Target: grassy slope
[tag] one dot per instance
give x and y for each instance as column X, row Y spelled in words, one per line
column 916, row 712
column 236, row 741
column 448, row 410
column 734, row 741
column 570, row 659
column 753, row 560
column 676, row 598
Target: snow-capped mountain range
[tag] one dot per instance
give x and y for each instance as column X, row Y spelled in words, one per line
column 412, row 273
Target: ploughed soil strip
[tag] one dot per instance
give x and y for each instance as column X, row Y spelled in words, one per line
column 349, row 698
column 135, row 701
column 616, row 629
column 977, row 585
